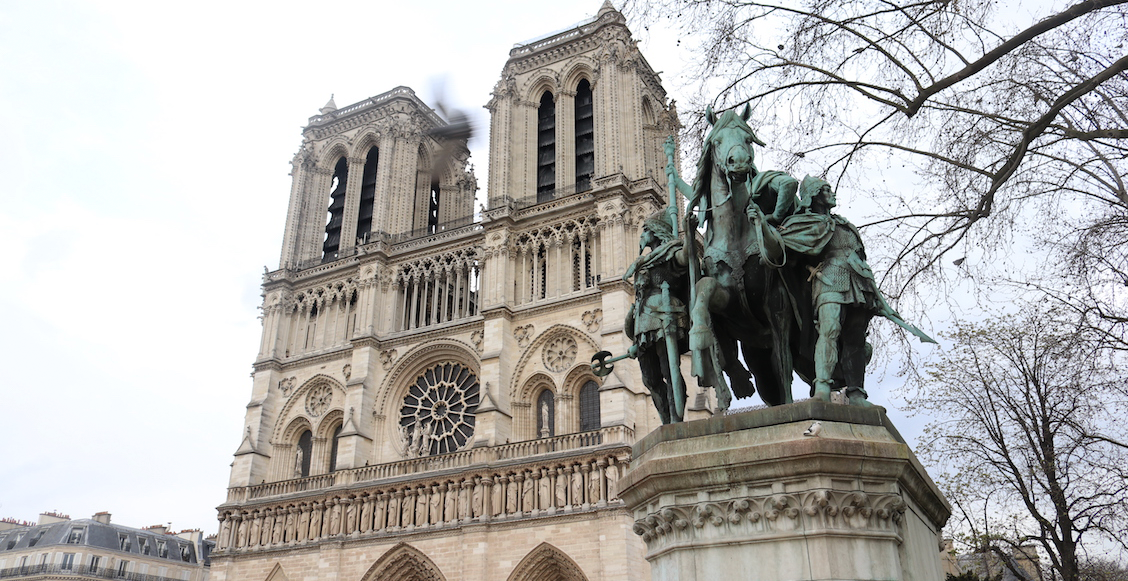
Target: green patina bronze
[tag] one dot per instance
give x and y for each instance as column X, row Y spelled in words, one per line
column 781, row 282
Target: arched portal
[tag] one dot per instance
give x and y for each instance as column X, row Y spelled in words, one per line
column 403, row 563
column 547, row 563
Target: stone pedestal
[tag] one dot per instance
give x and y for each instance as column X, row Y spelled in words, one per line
column 749, row 496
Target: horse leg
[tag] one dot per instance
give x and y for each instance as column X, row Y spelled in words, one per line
column 739, row 378
column 780, row 320
column 709, row 297
column 649, row 362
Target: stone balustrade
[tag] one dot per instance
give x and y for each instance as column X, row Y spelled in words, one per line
column 609, row 436
column 585, row 481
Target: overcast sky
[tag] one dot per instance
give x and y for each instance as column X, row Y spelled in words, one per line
column 144, row 160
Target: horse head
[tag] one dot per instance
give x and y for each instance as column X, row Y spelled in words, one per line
column 729, row 143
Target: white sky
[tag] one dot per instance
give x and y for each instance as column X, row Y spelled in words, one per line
column 144, row 155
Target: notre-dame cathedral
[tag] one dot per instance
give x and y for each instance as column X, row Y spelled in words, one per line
column 423, row 406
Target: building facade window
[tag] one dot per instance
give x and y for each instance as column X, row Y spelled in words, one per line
column 589, row 407
column 304, row 453
column 546, row 147
column 437, row 416
column 124, row 543
column 123, row 566
column 585, row 137
column 367, row 195
column 75, row 536
column 35, row 539
column 95, row 560
column 546, row 414
column 162, row 549
column 336, row 211
column 68, row 561
column 333, row 449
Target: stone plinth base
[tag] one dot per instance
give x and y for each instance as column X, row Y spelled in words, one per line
column 749, row 496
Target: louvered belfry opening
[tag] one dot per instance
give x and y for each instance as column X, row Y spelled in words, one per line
column 546, row 148
column 367, row 195
column 585, row 137
column 433, row 206
column 336, row 211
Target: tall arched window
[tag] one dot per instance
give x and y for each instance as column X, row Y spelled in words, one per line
column 585, row 137
column 336, row 211
column 589, row 407
column 433, row 208
column 302, row 455
column 367, row 195
column 333, row 449
column 546, row 147
column 546, row 414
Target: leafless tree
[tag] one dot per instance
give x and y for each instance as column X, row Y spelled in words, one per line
column 1009, row 132
column 1032, row 447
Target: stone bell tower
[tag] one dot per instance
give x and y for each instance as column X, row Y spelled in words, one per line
column 422, row 404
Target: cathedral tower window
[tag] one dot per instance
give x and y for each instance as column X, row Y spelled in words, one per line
column 433, row 207
column 589, row 407
column 367, row 195
column 585, row 137
column 546, row 414
column 546, row 147
column 333, row 449
column 304, row 454
column 336, row 211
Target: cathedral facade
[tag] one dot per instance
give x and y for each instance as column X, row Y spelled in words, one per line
column 423, row 405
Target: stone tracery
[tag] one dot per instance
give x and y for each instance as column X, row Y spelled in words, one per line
column 437, row 416
column 438, row 289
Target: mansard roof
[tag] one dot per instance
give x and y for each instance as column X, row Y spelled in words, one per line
column 104, row 536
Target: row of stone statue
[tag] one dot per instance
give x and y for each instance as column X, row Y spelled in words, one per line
column 531, row 491
column 780, row 281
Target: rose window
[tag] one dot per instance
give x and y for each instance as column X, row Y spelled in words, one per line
column 318, row 400
column 560, row 353
column 438, row 412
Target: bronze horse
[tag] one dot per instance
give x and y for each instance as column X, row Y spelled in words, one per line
column 741, row 296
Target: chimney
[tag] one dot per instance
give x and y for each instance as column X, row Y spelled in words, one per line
column 46, row 518
column 159, row 529
column 102, row 517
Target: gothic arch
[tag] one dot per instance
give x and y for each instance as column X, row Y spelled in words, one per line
column 369, row 137
column 543, row 80
column 586, row 347
column 336, row 148
column 533, row 385
column 547, row 563
column 300, row 396
column 579, row 70
column 329, row 422
column 403, row 563
column 418, row 360
column 277, row 574
column 295, row 429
